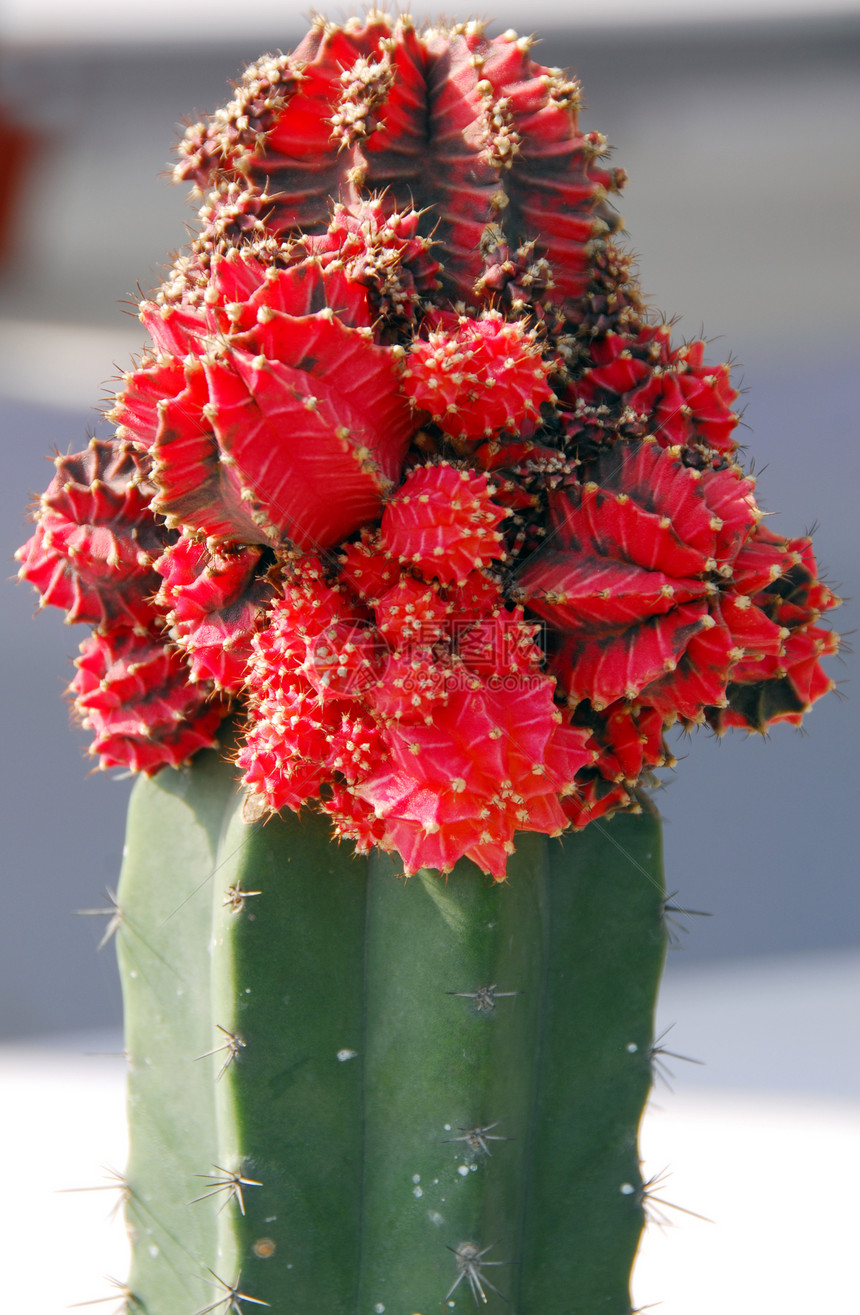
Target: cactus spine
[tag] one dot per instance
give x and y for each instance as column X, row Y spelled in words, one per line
column 413, row 1093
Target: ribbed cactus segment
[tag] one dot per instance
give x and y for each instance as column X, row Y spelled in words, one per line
column 465, row 127
column 453, row 992
column 606, row 950
column 163, row 945
column 390, row 1095
column 287, row 984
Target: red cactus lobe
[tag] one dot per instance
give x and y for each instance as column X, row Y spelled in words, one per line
column 383, row 251
column 597, row 798
column 283, row 396
column 612, row 302
column 213, row 605
column 668, row 392
column 640, row 566
column 502, row 137
column 769, row 690
column 517, row 278
column 480, row 595
column 445, row 744
column 367, row 569
column 355, row 747
column 760, row 562
column 478, row 377
column 134, row 693
column 308, row 668
column 412, row 616
column 797, row 595
column 136, row 409
column 206, row 148
column 290, row 437
column 96, row 539
column 291, row 123
column 353, row 819
column 342, row 660
column 447, row 639
column 634, row 742
column 776, row 684
column 490, row 763
column 628, row 745
column 501, row 647
column 467, row 128
column 161, row 389
column 555, row 182
column 273, row 772
column 414, row 683
column 444, row 521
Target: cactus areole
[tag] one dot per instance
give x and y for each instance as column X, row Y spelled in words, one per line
column 415, row 531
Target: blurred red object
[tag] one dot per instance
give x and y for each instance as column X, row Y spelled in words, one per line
column 16, row 149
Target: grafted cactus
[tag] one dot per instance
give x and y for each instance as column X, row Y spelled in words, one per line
column 412, row 488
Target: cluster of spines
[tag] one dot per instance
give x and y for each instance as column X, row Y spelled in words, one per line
column 404, row 404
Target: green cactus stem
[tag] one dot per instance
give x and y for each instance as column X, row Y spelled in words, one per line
column 353, row 1093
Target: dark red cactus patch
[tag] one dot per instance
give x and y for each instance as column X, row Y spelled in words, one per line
column 97, row 541
column 650, row 388
column 134, row 693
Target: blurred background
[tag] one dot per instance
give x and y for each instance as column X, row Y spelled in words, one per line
column 737, row 124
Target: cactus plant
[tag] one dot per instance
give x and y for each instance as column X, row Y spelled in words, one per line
column 416, row 532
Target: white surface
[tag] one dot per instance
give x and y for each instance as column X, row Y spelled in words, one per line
column 63, row 1116
column 120, row 20
column 775, row 1168
column 777, row 1177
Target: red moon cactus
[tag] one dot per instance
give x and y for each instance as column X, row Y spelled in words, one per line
column 411, row 478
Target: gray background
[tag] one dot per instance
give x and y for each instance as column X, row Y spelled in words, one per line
column 741, row 145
